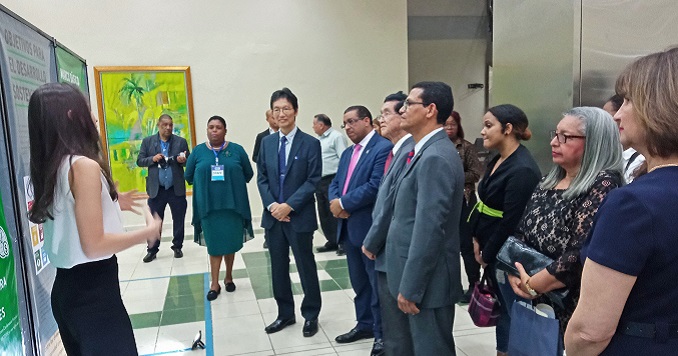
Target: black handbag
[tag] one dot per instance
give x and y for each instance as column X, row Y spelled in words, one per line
column 515, row 250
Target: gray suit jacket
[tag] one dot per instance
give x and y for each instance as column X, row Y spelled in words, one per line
column 375, row 240
column 150, row 147
column 422, row 248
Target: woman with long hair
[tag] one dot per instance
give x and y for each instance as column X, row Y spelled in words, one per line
column 587, row 157
column 77, row 201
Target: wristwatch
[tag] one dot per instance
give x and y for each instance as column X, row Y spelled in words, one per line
column 530, row 290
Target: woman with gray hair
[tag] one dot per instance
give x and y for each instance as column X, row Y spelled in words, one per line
column 588, row 164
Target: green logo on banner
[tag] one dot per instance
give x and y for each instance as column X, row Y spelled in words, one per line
column 10, row 329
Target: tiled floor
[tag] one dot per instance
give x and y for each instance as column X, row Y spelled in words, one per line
column 167, row 306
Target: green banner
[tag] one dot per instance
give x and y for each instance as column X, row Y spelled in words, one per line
column 10, row 328
column 71, row 69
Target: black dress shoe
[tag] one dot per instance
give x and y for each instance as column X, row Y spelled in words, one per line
column 265, row 244
column 354, row 335
column 213, row 294
column 340, row 251
column 150, row 257
column 327, row 248
column 310, row 328
column 378, row 348
column 178, row 253
column 278, row 325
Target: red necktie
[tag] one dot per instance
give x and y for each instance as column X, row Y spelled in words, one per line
column 388, row 161
column 409, row 156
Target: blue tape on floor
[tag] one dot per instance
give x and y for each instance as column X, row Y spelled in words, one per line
column 168, row 352
column 209, row 347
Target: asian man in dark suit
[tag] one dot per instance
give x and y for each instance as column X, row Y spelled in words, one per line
column 165, row 156
column 352, row 193
column 289, row 168
column 422, row 243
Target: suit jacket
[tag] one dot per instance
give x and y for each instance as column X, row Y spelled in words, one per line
column 361, row 193
column 257, row 144
column 304, row 167
column 422, row 249
column 150, row 147
column 375, row 241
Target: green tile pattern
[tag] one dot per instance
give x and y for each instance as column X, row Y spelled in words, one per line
column 185, row 299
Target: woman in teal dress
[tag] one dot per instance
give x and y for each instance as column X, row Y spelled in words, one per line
column 219, row 171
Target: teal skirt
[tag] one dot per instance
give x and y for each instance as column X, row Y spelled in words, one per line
column 223, row 232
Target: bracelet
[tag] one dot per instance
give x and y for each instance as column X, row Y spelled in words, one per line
column 530, row 290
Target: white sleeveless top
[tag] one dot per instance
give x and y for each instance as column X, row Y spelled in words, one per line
column 62, row 241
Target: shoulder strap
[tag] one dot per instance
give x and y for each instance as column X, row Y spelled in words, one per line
column 631, row 159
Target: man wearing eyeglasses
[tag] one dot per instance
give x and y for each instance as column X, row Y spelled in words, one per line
column 422, row 275
column 332, row 144
column 352, row 195
column 289, row 167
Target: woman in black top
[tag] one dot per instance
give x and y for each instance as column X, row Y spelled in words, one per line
column 506, row 187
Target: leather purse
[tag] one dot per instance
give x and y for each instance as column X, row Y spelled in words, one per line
column 515, row 250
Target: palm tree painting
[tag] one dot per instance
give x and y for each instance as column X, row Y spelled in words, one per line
column 130, row 101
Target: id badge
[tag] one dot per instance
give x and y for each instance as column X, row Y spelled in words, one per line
column 217, row 173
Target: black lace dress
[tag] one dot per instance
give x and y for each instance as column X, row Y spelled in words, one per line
column 557, row 228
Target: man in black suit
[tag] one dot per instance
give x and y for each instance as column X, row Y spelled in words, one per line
column 272, row 128
column 165, row 156
column 289, row 168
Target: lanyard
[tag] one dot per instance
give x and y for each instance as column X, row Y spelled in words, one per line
column 164, row 146
column 216, row 153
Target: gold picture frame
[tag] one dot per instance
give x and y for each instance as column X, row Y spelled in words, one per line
column 130, row 100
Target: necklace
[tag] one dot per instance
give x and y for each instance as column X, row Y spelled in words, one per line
column 663, row 166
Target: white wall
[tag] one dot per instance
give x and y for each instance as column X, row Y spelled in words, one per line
column 332, row 54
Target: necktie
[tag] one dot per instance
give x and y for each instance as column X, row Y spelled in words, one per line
column 410, row 156
column 388, row 161
column 351, row 166
column 282, row 167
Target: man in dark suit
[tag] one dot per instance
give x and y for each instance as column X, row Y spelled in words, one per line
column 352, row 193
column 272, row 128
column 422, row 246
column 289, row 168
column 165, row 156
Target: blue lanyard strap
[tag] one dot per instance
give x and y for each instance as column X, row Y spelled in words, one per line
column 216, row 153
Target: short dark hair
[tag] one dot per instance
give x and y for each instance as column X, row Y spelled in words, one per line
column 457, row 118
column 164, row 116
column 399, row 97
column 285, row 93
column 324, row 119
column 218, row 118
column 511, row 114
column 360, row 110
column 438, row 93
column 617, row 101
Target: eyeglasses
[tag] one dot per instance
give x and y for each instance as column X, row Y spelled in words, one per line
column 349, row 122
column 286, row 110
column 407, row 104
column 562, row 138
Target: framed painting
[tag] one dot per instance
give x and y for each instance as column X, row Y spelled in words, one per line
column 131, row 99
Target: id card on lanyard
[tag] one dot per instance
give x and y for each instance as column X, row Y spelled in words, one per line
column 217, row 169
